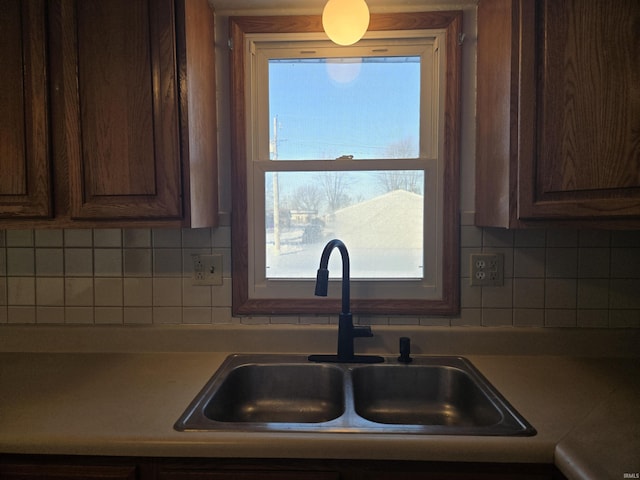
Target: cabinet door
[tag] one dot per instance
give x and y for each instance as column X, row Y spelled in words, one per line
column 66, row 472
column 117, row 64
column 579, row 109
column 25, row 176
column 247, row 475
column 245, row 469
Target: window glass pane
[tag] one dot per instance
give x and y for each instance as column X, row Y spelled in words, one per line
column 377, row 214
column 325, row 108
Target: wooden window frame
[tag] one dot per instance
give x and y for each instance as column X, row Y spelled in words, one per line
column 449, row 303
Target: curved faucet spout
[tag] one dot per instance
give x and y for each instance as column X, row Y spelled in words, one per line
column 322, row 278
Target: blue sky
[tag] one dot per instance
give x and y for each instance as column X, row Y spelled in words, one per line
column 352, row 108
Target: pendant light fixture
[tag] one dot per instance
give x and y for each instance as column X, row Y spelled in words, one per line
column 345, row 21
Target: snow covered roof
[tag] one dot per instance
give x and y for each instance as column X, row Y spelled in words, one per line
column 392, row 220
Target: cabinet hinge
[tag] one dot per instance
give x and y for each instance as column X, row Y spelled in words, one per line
column 461, row 37
column 230, row 43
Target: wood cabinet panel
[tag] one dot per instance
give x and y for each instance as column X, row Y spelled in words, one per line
column 53, row 467
column 127, row 130
column 587, row 110
column 589, row 117
column 132, row 138
column 558, row 118
column 198, row 120
column 122, row 133
column 245, row 469
column 247, row 475
column 25, row 173
column 67, row 472
column 116, row 97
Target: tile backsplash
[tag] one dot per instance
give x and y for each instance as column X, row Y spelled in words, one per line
column 553, row 278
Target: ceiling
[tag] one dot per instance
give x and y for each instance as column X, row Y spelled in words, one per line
column 311, row 6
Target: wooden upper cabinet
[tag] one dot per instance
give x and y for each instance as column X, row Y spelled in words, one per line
column 558, row 117
column 133, row 112
column 122, row 133
column 120, row 115
column 25, row 167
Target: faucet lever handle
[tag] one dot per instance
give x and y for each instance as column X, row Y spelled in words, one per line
column 362, row 331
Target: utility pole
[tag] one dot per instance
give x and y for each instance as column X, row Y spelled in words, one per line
column 276, row 193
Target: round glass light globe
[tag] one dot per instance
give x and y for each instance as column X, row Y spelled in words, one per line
column 345, row 21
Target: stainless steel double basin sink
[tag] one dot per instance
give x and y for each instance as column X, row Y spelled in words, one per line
column 429, row 396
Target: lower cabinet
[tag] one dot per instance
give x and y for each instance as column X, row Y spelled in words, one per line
column 54, row 471
column 47, row 467
column 241, row 469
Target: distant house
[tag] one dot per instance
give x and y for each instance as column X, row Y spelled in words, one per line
column 302, row 217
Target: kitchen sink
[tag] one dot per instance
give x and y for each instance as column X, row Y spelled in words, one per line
column 304, row 393
column 431, row 395
column 421, row 395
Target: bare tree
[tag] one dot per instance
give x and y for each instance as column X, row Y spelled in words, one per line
column 405, row 148
column 335, row 186
column 409, row 180
column 307, row 197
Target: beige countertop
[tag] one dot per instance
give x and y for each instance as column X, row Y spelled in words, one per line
column 124, row 403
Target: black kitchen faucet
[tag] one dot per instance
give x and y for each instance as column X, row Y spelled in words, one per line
column 347, row 331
